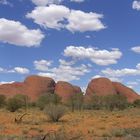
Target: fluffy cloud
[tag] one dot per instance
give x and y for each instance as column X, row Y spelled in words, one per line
column 42, row 65
column 90, row 21
column 136, row 49
column 136, row 5
column 77, row 1
column 59, row 17
column 19, row 70
column 13, row 32
column 4, row 82
column 46, row 2
column 99, row 57
column 66, row 71
column 122, row 72
column 49, row 17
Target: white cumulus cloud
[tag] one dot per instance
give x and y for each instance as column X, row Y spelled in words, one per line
column 122, row 72
column 136, row 5
column 66, row 71
column 61, row 17
column 13, row 32
column 42, row 65
column 46, row 2
column 99, row 57
column 136, row 49
column 19, row 70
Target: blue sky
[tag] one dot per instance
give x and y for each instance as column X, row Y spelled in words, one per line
column 70, row 40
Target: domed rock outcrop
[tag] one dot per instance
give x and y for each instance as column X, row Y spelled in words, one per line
column 37, row 85
column 65, row 90
column 100, row 87
column 103, row 87
column 12, row 89
column 77, row 89
column 130, row 94
column 33, row 86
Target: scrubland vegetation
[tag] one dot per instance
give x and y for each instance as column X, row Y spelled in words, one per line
column 106, row 117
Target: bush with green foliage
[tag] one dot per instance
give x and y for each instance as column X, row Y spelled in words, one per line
column 46, row 99
column 16, row 102
column 2, row 100
column 76, row 101
column 24, row 99
column 109, row 102
column 136, row 103
column 116, row 101
column 55, row 112
column 95, row 102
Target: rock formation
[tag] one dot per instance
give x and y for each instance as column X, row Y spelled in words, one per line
column 33, row 86
column 103, row 87
column 65, row 90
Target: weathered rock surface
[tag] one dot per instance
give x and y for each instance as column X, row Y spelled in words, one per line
column 103, row 87
column 130, row 94
column 33, row 86
column 65, row 90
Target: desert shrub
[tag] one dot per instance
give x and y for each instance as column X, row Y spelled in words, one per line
column 2, row 100
column 116, row 101
column 62, row 134
column 136, row 103
column 76, row 101
column 55, row 112
column 118, row 133
column 46, row 99
column 15, row 103
column 133, row 132
column 95, row 102
column 24, row 99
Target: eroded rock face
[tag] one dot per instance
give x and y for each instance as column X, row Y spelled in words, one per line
column 37, row 85
column 33, row 86
column 130, row 94
column 12, row 89
column 65, row 90
column 77, row 89
column 101, row 87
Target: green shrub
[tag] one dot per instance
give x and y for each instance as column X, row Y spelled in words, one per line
column 76, row 101
column 55, row 112
column 109, row 102
column 46, row 99
column 2, row 100
column 24, row 99
column 16, row 102
column 136, row 103
column 116, row 101
column 95, row 102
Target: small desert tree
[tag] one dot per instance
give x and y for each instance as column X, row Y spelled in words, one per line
column 2, row 100
column 136, row 103
column 94, row 102
column 76, row 101
column 116, row 101
column 46, row 99
column 24, row 99
column 16, row 102
column 55, row 111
